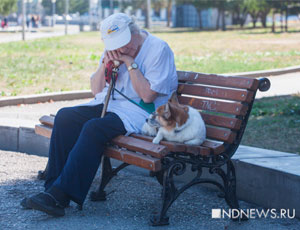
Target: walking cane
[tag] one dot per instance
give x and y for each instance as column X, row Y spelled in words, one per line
column 105, row 166
column 113, row 76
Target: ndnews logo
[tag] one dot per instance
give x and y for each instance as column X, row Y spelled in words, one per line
column 253, row 213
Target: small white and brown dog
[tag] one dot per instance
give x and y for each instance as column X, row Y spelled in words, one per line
column 175, row 122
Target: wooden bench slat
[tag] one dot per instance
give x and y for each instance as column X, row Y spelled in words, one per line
column 213, row 92
column 133, row 158
column 47, row 120
column 216, row 147
column 137, row 145
column 129, row 143
column 43, row 130
column 221, row 121
column 218, row 80
column 154, row 150
column 214, row 106
column 204, row 149
column 220, row 134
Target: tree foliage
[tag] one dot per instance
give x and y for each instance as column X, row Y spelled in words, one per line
column 80, row 6
column 7, row 7
column 240, row 9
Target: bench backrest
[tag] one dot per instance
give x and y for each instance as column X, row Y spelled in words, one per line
column 224, row 102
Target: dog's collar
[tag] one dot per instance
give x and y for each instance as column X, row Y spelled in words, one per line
column 179, row 129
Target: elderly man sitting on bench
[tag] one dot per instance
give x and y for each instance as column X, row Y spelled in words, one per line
column 147, row 75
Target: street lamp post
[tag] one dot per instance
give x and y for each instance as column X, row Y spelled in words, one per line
column 23, row 19
column 90, row 14
column 53, row 12
column 66, row 14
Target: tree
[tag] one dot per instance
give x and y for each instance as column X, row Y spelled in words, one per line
column 239, row 12
column 169, row 13
column 199, row 5
column 7, row 7
column 81, row 6
column 254, row 8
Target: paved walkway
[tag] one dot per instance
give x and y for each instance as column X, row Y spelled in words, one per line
column 285, row 84
column 16, row 35
column 134, row 197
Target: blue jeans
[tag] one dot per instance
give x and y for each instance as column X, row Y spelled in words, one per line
column 78, row 140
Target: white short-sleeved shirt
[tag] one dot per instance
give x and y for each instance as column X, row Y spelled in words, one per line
column 156, row 62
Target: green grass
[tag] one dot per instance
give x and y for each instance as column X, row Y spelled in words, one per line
column 275, row 124
column 48, row 65
column 65, row 63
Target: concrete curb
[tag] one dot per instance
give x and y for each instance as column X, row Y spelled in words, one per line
column 23, row 139
column 270, row 179
column 83, row 94
column 266, row 73
column 39, row 98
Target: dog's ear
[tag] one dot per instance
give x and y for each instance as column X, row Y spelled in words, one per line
column 167, row 111
column 173, row 99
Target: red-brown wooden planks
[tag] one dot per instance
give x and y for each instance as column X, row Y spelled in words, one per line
column 205, row 149
column 214, row 106
column 43, row 130
column 222, row 121
column 218, row 80
column 47, row 120
column 227, row 136
column 137, row 145
column 213, row 92
column 134, row 158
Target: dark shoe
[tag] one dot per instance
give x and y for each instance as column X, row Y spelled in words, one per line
column 45, row 202
column 25, row 204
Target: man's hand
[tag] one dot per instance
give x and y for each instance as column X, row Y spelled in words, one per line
column 116, row 55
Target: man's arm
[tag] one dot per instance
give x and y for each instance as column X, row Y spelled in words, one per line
column 98, row 80
column 139, row 82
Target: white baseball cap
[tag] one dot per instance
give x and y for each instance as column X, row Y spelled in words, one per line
column 115, row 31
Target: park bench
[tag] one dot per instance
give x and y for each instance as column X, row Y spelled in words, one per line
column 225, row 103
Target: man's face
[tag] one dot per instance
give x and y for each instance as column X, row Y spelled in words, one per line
column 130, row 49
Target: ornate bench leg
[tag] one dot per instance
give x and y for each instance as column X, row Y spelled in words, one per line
column 167, row 199
column 105, row 177
column 107, row 173
column 42, row 174
column 229, row 180
column 230, row 187
column 169, row 192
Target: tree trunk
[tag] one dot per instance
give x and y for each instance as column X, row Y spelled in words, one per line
column 244, row 18
column 169, row 13
column 148, row 15
column 273, row 21
column 286, row 19
column 200, row 19
column 218, row 20
column 223, row 20
column 254, row 17
column 263, row 18
column 281, row 20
